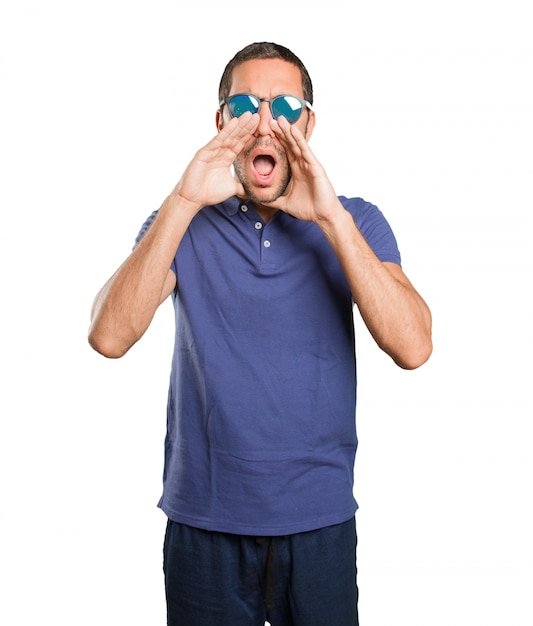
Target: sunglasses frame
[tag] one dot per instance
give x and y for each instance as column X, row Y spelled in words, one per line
column 304, row 104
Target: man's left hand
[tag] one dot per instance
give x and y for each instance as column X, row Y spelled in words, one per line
column 310, row 195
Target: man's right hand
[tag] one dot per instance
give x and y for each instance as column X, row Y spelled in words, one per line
column 208, row 178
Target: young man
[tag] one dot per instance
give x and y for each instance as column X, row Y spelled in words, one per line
column 264, row 266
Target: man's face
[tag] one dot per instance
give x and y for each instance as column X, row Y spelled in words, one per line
column 262, row 167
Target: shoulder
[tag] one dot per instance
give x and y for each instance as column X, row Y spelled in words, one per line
column 374, row 227
column 361, row 209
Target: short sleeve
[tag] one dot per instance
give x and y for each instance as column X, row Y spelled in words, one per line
column 374, row 228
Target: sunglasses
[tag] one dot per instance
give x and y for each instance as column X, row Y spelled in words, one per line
column 290, row 107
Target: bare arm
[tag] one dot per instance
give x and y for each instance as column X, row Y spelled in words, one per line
column 395, row 314
column 125, row 306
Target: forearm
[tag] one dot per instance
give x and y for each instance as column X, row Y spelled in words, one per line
column 125, row 306
column 395, row 314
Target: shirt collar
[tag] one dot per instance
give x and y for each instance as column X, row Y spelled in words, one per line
column 231, row 205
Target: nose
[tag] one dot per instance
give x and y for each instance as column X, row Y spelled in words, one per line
column 265, row 115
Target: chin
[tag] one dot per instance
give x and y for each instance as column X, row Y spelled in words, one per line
column 266, row 191
column 262, row 196
column 266, row 194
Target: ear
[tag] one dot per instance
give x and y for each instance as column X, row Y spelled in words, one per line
column 219, row 120
column 310, row 125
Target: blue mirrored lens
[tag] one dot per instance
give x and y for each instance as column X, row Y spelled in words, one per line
column 242, row 103
column 289, row 106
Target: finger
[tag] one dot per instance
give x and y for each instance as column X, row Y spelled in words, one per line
column 282, row 129
column 238, row 131
column 292, row 140
column 298, row 139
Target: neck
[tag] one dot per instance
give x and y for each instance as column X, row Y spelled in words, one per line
column 265, row 212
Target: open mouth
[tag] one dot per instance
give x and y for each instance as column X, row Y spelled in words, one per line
column 264, row 165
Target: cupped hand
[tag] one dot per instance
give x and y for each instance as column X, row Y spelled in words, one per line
column 208, row 178
column 310, row 195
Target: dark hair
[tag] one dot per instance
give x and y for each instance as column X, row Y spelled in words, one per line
column 264, row 50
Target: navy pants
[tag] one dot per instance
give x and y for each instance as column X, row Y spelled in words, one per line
column 219, row 579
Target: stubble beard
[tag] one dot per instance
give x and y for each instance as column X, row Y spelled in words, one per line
column 260, row 197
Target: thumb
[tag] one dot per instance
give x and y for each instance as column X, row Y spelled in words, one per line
column 239, row 191
column 239, row 188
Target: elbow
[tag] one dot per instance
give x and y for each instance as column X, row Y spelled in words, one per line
column 419, row 348
column 414, row 358
column 415, row 353
column 106, row 346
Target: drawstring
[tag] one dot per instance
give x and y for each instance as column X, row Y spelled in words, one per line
column 269, row 571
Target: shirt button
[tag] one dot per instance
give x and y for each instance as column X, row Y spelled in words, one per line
column 258, row 226
column 244, row 208
column 266, row 243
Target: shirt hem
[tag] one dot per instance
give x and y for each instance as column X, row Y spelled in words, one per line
column 261, row 530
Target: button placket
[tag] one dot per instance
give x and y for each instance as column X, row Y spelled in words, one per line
column 265, row 250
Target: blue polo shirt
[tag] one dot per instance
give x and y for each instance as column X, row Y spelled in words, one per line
column 261, row 435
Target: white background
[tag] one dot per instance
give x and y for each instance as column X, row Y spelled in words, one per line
column 423, row 108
